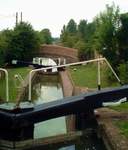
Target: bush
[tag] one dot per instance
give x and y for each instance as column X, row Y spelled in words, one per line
column 123, row 72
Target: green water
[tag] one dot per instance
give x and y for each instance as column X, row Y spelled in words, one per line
column 46, row 89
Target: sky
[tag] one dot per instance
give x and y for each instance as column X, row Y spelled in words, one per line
column 53, row 14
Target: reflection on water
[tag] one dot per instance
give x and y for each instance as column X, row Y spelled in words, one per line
column 50, row 128
column 71, row 147
column 47, row 92
column 46, row 89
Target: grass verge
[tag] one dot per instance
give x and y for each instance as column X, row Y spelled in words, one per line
column 121, row 108
column 87, row 76
column 123, row 126
column 13, row 90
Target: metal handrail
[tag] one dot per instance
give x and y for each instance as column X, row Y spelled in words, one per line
column 7, row 89
column 73, row 64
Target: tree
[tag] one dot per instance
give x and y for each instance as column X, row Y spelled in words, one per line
column 71, row 27
column 82, row 29
column 123, row 38
column 4, row 41
column 85, row 50
column 80, row 38
column 24, row 41
column 107, row 25
column 45, row 36
column 90, row 30
column 81, row 46
column 63, row 36
column 123, row 72
column 69, row 34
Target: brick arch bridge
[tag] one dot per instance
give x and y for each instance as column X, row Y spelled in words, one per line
column 55, row 51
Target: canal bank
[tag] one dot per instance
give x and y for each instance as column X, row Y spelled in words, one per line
column 111, row 135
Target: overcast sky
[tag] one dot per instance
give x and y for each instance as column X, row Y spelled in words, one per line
column 53, row 14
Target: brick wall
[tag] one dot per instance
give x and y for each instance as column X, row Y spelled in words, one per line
column 56, row 51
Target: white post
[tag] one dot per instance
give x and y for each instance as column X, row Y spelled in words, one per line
column 58, row 62
column 64, row 61
column 7, row 89
column 98, row 75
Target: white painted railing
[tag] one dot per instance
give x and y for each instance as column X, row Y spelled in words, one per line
column 73, row 64
column 7, row 89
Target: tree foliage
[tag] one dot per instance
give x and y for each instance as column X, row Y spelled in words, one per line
column 111, row 39
column 82, row 29
column 71, row 27
column 4, row 42
column 20, row 42
column 123, row 38
column 45, row 36
column 68, row 34
column 107, row 34
column 107, row 25
column 78, row 36
column 123, row 72
column 23, row 42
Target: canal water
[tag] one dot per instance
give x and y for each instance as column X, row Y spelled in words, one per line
column 48, row 88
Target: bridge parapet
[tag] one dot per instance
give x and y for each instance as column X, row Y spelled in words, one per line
column 56, row 51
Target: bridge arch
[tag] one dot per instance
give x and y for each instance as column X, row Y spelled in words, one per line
column 55, row 51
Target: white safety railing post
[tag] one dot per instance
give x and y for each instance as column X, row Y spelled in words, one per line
column 98, row 75
column 59, row 61
column 7, row 89
column 64, row 62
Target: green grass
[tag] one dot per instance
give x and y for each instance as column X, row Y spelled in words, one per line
column 87, row 76
column 121, row 108
column 13, row 91
column 123, row 126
